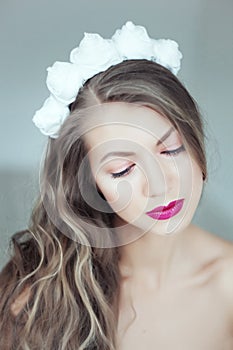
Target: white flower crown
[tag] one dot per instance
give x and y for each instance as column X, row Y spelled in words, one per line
column 94, row 55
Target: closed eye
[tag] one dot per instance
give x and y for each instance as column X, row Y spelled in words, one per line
column 128, row 169
column 123, row 172
column 174, row 152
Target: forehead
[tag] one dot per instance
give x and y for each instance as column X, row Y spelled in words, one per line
column 119, row 120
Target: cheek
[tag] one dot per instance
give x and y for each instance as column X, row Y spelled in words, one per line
column 110, row 193
column 192, row 181
column 108, row 189
column 104, row 185
column 197, row 180
column 121, row 195
column 188, row 170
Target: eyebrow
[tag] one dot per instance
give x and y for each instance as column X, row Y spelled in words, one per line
column 165, row 136
column 129, row 154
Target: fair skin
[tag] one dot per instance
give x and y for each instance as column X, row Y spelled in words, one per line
column 167, row 259
column 175, row 290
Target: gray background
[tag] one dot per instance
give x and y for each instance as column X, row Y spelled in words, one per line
column 34, row 34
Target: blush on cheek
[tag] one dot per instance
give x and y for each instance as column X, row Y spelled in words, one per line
column 117, row 198
column 112, row 197
column 110, row 194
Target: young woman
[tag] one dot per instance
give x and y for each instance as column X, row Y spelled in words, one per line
column 111, row 259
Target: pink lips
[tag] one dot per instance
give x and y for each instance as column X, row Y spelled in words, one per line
column 166, row 212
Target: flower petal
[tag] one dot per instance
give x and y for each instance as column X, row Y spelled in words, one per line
column 167, row 54
column 64, row 81
column 94, row 55
column 133, row 42
column 50, row 117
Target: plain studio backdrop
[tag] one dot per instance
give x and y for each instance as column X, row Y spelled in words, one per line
column 34, row 34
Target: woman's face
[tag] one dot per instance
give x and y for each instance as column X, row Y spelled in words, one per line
column 139, row 164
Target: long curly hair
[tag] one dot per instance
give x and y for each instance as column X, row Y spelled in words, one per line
column 74, row 284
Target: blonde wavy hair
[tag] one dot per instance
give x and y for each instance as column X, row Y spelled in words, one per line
column 74, row 287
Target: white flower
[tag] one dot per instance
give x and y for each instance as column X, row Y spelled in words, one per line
column 50, row 117
column 167, row 54
column 94, row 55
column 133, row 42
column 64, row 81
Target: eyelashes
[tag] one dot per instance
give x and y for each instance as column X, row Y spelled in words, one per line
column 174, row 152
column 123, row 172
column 126, row 171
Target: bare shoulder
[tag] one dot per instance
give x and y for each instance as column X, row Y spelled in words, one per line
column 214, row 248
column 225, row 274
column 211, row 245
column 226, row 271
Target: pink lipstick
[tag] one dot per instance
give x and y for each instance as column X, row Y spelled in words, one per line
column 166, row 212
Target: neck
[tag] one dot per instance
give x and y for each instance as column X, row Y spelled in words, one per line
column 158, row 260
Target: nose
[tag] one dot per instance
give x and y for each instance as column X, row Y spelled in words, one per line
column 155, row 179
